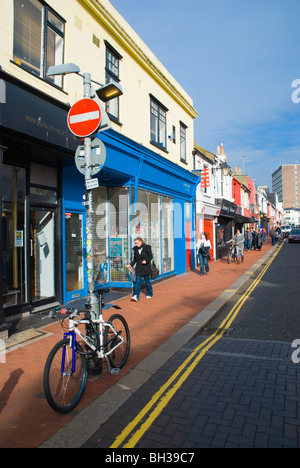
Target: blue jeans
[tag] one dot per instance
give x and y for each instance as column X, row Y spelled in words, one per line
column 203, row 264
column 138, row 283
column 248, row 244
column 238, row 250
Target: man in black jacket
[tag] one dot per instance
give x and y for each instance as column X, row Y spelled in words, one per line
column 142, row 256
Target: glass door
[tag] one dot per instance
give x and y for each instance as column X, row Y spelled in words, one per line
column 75, row 268
column 42, row 254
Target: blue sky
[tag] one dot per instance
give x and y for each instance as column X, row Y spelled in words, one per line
column 237, row 60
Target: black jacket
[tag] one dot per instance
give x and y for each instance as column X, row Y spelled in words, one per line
column 146, row 254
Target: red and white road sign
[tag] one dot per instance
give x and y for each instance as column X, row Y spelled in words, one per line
column 84, row 117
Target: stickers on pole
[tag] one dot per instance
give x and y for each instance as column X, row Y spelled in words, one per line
column 98, row 157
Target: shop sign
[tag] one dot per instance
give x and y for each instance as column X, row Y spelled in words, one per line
column 228, row 209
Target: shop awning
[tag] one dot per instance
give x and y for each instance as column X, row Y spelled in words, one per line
column 242, row 219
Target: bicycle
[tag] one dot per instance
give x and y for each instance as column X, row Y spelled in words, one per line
column 66, row 372
column 231, row 253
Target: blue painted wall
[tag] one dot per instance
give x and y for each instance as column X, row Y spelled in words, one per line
column 130, row 164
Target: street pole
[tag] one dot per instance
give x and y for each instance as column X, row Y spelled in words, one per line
column 92, row 301
column 92, row 304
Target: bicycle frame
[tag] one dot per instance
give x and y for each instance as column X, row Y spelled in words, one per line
column 73, row 331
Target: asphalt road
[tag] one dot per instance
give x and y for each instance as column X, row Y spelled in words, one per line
column 272, row 312
column 237, row 390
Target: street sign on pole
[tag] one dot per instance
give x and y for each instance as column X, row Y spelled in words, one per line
column 98, row 156
column 84, row 117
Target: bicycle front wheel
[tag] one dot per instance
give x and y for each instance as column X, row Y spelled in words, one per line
column 229, row 257
column 118, row 349
column 65, row 377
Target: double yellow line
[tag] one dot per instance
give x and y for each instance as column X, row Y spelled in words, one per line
column 162, row 397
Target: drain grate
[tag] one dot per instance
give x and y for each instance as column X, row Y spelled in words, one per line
column 211, row 331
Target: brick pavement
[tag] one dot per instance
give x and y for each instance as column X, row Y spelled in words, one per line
column 242, row 394
column 27, row 420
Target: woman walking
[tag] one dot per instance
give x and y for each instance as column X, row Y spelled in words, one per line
column 202, row 248
column 142, row 256
column 239, row 245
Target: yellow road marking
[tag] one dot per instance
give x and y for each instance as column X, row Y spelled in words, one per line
column 166, row 397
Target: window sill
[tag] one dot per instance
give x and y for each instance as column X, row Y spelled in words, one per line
column 24, row 68
column 162, row 148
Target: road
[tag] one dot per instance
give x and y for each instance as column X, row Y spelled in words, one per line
column 234, row 385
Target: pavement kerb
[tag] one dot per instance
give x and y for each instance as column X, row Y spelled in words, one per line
column 75, row 433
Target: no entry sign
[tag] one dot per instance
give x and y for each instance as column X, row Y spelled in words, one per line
column 84, row 117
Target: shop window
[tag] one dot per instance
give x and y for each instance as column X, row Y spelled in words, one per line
column 38, row 38
column 167, row 234
column 146, row 222
column 14, row 241
column 153, row 221
column 100, row 235
column 119, row 242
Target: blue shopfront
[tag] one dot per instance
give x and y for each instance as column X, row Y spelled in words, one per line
column 140, row 194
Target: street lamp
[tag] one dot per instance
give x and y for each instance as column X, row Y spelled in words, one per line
column 225, row 168
column 105, row 93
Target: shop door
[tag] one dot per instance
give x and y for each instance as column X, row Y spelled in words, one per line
column 209, row 229
column 42, row 254
column 188, row 235
column 74, row 261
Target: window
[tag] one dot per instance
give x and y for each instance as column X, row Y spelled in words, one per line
column 112, row 69
column 14, row 235
column 174, row 134
column 183, row 142
column 158, row 124
column 38, row 38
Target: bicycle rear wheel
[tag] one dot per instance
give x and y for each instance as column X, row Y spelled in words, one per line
column 119, row 355
column 229, row 257
column 63, row 386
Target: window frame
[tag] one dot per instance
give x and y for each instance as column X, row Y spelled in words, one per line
column 110, row 76
column 156, row 129
column 46, row 26
column 182, row 132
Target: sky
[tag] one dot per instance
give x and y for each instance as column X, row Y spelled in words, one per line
column 239, row 60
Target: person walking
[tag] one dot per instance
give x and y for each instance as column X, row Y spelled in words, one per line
column 142, row 256
column 202, row 248
column 254, row 233
column 273, row 235
column 238, row 240
column 248, row 239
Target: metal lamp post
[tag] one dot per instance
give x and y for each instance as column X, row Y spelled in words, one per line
column 105, row 93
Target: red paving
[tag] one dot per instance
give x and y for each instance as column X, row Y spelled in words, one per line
column 26, row 420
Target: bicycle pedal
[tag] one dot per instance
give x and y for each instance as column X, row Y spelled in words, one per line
column 115, row 371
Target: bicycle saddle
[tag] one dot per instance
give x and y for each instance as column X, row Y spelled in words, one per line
column 103, row 291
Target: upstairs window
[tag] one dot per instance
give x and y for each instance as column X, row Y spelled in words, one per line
column 112, row 69
column 158, row 124
column 183, row 142
column 38, row 38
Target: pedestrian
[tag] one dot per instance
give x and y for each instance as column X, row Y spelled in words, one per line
column 202, row 248
column 239, row 244
column 142, row 256
column 273, row 235
column 254, row 238
column 248, row 239
column 259, row 241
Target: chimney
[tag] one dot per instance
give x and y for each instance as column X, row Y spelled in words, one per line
column 218, row 150
column 222, row 148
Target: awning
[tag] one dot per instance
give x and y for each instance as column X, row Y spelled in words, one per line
column 242, row 219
